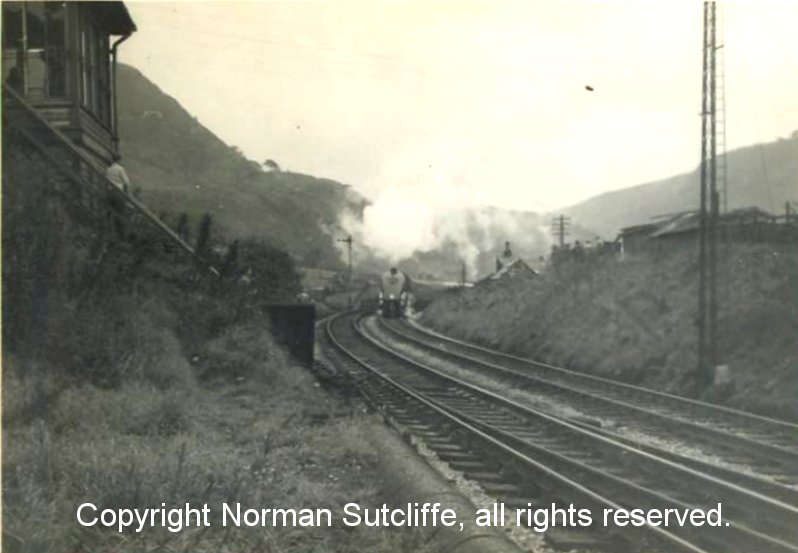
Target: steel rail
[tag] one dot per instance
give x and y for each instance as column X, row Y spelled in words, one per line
column 745, row 500
column 774, row 515
column 734, row 443
column 770, row 424
column 674, row 543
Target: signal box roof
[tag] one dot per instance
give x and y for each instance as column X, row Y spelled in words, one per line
column 115, row 17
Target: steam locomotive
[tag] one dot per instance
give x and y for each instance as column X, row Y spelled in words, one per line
column 394, row 294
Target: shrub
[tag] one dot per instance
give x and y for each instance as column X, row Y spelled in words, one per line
column 244, row 350
column 133, row 409
column 117, row 339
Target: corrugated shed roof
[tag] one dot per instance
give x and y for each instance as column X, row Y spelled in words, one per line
column 638, row 228
column 684, row 222
column 690, row 221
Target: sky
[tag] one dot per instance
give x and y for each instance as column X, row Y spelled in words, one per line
column 434, row 105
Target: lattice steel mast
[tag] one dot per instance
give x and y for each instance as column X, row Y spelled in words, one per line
column 709, row 207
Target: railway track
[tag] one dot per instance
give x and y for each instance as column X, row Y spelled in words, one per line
column 768, row 447
column 528, row 458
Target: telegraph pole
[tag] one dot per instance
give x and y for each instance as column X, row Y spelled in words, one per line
column 560, row 228
column 348, row 241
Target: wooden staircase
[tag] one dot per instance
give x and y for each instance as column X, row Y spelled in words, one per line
column 78, row 177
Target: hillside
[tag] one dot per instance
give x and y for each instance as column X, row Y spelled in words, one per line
column 634, row 321
column 182, row 167
column 765, row 176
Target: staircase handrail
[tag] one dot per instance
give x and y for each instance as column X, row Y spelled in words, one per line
column 9, row 92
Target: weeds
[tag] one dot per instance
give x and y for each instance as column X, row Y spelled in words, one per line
column 130, row 380
column 635, row 321
column 125, row 406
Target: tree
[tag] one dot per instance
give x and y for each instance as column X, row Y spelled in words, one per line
column 204, row 235
column 272, row 270
column 271, row 165
column 182, row 229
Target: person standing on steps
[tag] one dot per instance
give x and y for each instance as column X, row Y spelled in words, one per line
column 118, row 177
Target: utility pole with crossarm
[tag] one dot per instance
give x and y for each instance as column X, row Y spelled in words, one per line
column 348, row 241
column 560, row 228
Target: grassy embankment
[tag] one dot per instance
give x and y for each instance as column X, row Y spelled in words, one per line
column 129, row 380
column 636, row 321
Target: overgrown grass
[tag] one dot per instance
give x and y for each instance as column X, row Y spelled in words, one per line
column 253, row 446
column 158, row 387
column 131, row 379
column 241, row 423
column 636, row 321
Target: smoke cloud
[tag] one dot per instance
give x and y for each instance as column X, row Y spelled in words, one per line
column 400, row 227
column 434, row 218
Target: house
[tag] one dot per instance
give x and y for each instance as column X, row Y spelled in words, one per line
column 517, row 268
column 634, row 239
column 682, row 230
column 61, row 58
column 747, row 224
